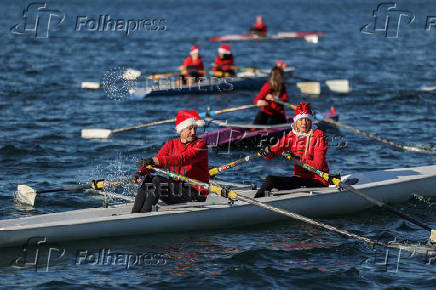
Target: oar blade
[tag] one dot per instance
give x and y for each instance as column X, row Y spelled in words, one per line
column 433, row 236
column 428, row 89
column 309, row 88
column 339, row 86
column 25, row 195
column 131, row 74
column 311, row 38
column 95, row 133
column 90, row 85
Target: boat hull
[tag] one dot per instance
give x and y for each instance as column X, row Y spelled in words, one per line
column 225, row 138
column 244, row 81
column 278, row 36
column 390, row 186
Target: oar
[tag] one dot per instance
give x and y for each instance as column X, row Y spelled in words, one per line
column 242, row 68
column 129, row 74
column 311, row 87
column 26, row 195
column 216, row 170
column 386, row 141
column 233, row 195
column 97, row 133
column 336, row 181
column 319, row 117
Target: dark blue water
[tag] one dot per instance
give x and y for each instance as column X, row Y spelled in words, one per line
column 43, row 110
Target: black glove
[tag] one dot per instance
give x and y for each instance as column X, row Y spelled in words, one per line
column 97, row 184
column 265, row 151
column 141, row 163
column 331, row 176
column 136, row 178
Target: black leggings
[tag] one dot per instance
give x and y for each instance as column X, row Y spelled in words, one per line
column 286, row 183
column 263, row 118
column 169, row 191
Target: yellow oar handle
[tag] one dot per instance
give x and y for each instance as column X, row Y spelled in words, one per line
column 284, row 103
column 213, row 188
column 235, row 109
column 222, row 192
column 101, row 183
column 327, row 177
column 216, row 170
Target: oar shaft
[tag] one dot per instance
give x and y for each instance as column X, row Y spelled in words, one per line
column 174, row 119
column 305, row 219
column 215, row 171
column 68, row 188
column 233, row 195
column 144, row 125
column 386, row 141
column 100, row 184
column 235, row 109
column 350, row 188
column 383, row 205
column 284, row 104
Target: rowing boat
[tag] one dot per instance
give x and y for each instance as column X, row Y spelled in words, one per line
column 390, row 186
column 280, row 35
column 240, row 136
column 245, row 80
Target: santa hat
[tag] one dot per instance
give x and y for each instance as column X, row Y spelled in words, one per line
column 303, row 110
column 281, row 65
column 195, row 49
column 224, row 49
column 186, row 119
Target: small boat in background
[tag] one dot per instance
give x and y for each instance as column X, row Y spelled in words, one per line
column 241, row 136
column 308, row 36
column 245, row 80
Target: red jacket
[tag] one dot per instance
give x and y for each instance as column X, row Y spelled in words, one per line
column 198, row 63
column 190, row 160
column 313, row 154
column 272, row 108
column 260, row 27
column 223, row 65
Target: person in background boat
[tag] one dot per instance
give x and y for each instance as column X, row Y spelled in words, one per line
column 224, row 62
column 259, row 29
column 192, row 67
column 187, row 155
column 272, row 113
column 304, row 141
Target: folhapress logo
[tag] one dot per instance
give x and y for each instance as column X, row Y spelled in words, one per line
column 387, row 19
column 38, row 20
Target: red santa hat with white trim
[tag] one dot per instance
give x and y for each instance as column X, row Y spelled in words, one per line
column 224, row 49
column 303, row 110
column 186, row 119
column 195, row 49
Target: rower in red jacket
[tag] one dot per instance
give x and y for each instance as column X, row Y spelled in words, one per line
column 224, row 62
column 187, row 155
column 259, row 28
column 192, row 67
column 272, row 113
column 306, row 142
